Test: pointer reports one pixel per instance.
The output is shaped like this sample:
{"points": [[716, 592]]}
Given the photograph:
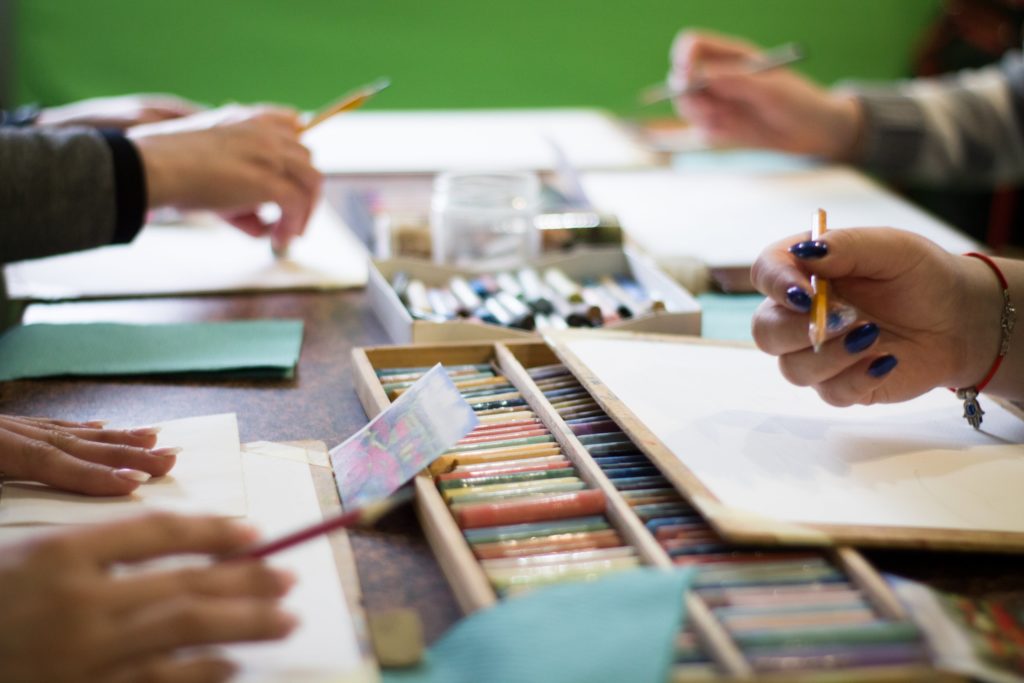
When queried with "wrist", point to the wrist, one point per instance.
{"points": [[981, 303], [845, 129], [158, 174]]}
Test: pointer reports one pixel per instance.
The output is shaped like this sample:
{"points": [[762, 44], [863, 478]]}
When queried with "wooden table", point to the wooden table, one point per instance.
{"points": [[396, 567]]}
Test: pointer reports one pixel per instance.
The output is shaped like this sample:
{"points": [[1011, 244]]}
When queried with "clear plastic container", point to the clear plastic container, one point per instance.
{"points": [[484, 220]]}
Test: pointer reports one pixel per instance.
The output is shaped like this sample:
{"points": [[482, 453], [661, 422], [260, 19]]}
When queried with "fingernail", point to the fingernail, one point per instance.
{"points": [[145, 431], [286, 622], [881, 367], [165, 452], [840, 316], [247, 534], [286, 578], [800, 299], [809, 249], [861, 338], [133, 475], [98, 424]]}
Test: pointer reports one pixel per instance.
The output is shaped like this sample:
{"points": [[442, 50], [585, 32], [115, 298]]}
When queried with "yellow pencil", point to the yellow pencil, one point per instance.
{"points": [[348, 102], [819, 287]]}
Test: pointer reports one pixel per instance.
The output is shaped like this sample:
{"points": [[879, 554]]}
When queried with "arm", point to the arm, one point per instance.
{"points": [[964, 128], [67, 190], [72, 189], [968, 128]]}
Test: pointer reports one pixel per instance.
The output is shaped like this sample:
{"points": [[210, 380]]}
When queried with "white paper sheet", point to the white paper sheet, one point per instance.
{"points": [[207, 479], [495, 140], [724, 218], [764, 446], [324, 648], [203, 254]]}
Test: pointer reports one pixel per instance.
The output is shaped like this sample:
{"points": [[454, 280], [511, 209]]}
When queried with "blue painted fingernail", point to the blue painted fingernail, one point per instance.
{"points": [[861, 338], [882, 366], [800, 299], [809, 249]]}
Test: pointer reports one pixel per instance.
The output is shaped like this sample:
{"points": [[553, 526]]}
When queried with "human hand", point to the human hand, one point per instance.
{"points": [[81, 456], [774, 109], [68, 617], [117, 112], [927, 318], [231, 160]]}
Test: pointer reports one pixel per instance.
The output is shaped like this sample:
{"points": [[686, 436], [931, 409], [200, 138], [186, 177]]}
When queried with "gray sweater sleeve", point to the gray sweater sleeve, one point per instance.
{"points": [[57, 192], [966, 128]]}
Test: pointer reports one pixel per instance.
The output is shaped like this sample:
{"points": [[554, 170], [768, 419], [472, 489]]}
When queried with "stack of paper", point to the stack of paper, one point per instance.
{"points": [[198, 254]]}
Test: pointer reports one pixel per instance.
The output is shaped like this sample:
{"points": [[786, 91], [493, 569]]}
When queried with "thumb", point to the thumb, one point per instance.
{"points": [[871, 253]]}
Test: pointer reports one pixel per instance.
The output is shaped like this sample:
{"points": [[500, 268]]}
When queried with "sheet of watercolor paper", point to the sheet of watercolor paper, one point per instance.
{"points": [[421, 424], [207, 479], [197, 254], [491, 140], [776, 450], [725, 218], [325, 645]]}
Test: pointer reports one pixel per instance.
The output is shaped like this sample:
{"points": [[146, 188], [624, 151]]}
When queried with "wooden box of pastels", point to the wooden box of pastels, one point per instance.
{"points": [[419, 301], [599, 452]]}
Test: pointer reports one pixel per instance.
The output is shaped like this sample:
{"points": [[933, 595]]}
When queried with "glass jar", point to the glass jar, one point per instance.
{"points": [[484, 220]]}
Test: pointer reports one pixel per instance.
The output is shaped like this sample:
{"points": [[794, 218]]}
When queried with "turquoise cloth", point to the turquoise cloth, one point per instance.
{"points": [[251, 347], [726, 317], [619, 628]]}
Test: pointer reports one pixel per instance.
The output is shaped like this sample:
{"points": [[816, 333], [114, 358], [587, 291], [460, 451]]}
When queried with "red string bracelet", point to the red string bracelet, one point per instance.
{"points": [[1007, 319]]}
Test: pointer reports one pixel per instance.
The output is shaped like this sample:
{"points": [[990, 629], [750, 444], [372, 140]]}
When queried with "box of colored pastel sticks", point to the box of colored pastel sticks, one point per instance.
{"points": [[549, 489], [608, 287]]}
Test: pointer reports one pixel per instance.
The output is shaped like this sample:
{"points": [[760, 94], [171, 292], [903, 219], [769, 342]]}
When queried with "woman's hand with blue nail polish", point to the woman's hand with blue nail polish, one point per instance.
{"points": [[911, 299]]}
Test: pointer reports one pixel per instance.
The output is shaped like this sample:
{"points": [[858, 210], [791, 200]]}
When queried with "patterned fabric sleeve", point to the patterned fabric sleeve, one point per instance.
{"points": [[966, 128]]}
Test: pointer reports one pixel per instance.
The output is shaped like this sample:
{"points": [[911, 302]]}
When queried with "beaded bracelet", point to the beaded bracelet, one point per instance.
{"points": [[1007, 319]]}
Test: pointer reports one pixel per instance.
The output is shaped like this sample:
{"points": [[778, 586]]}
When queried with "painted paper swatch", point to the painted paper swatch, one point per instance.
{"points": [[420, 425]]}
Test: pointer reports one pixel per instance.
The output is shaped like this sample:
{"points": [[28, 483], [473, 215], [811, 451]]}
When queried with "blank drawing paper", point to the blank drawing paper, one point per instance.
{"points": [[777, 451], [197, 254], [725, 218], [206, 479], [489, 140], [325, 645]]}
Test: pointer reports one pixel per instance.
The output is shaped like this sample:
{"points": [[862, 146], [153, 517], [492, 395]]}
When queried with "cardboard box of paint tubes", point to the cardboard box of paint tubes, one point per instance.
{"points": [[419, 301]]}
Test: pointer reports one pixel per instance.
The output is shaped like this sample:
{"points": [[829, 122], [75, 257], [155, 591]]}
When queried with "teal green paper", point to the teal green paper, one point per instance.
{"points": [[620, 628], [264, 347]]}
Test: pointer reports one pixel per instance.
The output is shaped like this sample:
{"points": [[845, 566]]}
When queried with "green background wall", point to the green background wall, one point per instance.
{"points": [[439, 53]]}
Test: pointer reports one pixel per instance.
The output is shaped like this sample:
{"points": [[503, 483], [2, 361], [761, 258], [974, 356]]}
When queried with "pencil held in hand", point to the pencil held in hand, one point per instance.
{"points": [[348, 102], [780, 56], [363, 517], [819, 288]]}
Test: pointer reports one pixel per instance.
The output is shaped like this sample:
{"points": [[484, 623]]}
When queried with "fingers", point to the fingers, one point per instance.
{"points": [[863, 382], [248, 222], [691, 48], [25, 458], [94, 424], [114, 448], [190, 622], [227, 580], [161, 534], [175, 669], [779, 275]]}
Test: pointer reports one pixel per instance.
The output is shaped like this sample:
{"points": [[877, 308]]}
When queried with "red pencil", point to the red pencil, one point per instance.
{"points": [[363, 517]]}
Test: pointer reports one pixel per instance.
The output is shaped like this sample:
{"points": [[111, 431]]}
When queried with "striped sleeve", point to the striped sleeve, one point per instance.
{"points": [[966, 128]]}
